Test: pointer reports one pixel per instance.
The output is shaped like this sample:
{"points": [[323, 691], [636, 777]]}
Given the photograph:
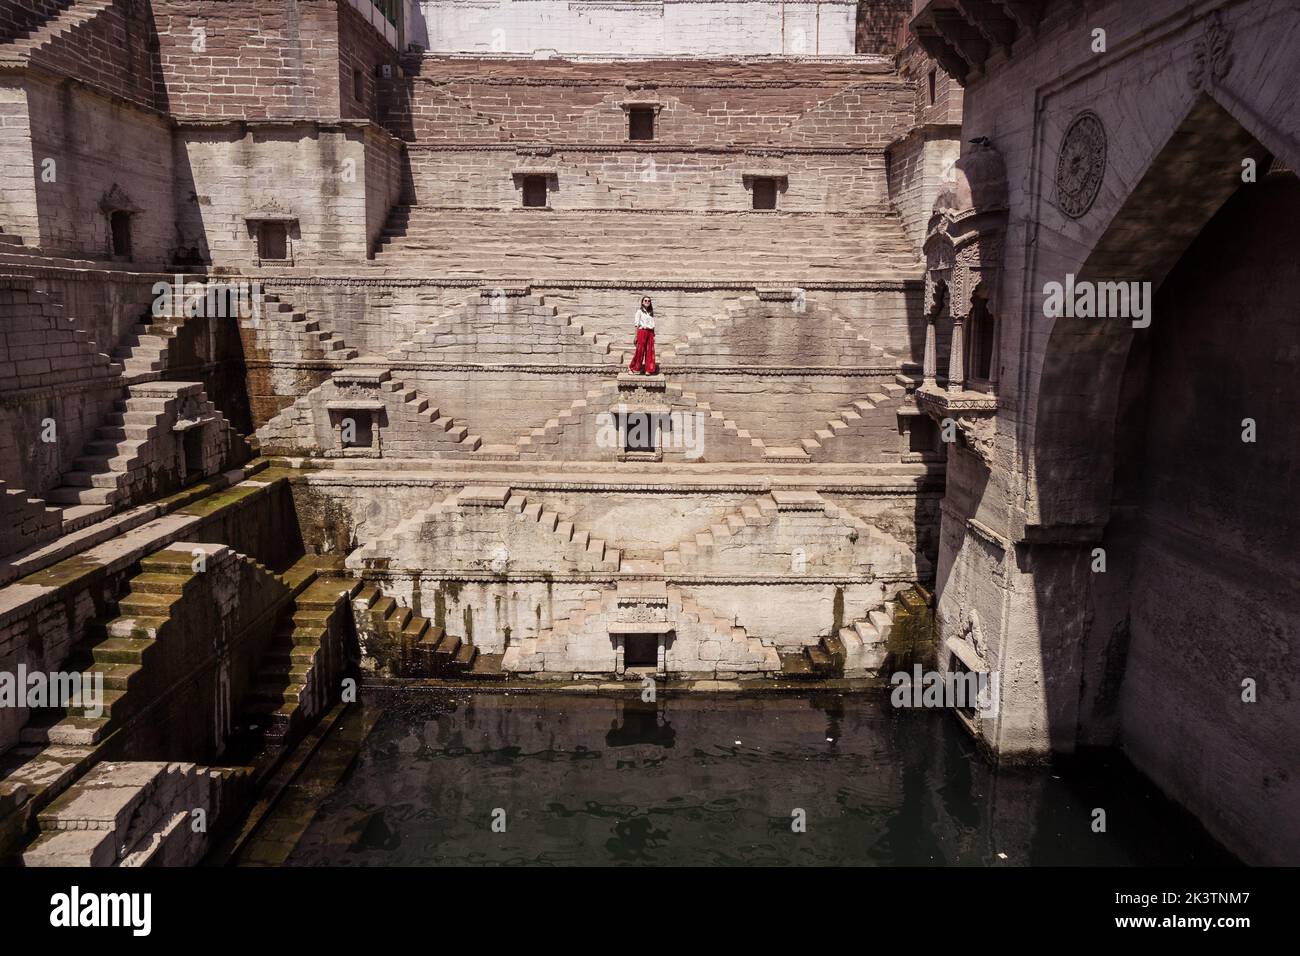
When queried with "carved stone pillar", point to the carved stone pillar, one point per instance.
{"points": [[930, 368], [956, 356]]}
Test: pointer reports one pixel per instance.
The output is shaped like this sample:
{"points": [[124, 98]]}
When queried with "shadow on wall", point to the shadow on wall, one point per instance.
{"points": [[1180, 652]]}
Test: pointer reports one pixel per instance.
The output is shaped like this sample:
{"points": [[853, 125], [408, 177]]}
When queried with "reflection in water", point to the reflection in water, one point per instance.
{"points": [[693, 780], [640, 722]]}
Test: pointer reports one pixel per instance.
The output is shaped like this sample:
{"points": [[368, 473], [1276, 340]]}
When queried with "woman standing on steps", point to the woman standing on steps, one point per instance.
{"points": [[644, 359]]}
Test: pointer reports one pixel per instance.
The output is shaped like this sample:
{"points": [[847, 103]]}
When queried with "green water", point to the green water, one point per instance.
{"points": [[694, 781]]}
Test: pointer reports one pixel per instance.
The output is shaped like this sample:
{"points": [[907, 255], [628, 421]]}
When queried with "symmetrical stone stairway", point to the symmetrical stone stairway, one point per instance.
{"points": [[285, 328], [605, 557], [507, 326], [403, 535], [553, 648]]}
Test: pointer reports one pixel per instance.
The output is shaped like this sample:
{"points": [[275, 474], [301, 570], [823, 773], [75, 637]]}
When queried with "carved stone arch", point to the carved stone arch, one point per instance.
{"points": [[1071, 468]]}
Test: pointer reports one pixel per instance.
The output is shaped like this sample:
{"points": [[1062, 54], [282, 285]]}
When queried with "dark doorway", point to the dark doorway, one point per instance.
{"points": [[638, 432], [641, 122], [922, 434], [641, 650], [120, 225], [273, 241], [764, 193], [535, 191], [192, 445], [981, 341]]}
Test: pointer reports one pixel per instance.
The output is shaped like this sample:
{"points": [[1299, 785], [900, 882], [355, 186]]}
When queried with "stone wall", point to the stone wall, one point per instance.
{"points": [[378, 315], [19, 17], [259, 60], [1183, 98], [333, 183], [72, 131], [657, 178], [50, 372], [111, 50], [694, 27], [700, 103]]}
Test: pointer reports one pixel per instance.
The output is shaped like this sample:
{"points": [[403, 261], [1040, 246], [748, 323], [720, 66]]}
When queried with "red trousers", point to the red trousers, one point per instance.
{"points": [[644, 359]]}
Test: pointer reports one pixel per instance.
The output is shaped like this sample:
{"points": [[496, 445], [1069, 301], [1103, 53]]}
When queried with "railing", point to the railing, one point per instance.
{"points": [[384, 15]]}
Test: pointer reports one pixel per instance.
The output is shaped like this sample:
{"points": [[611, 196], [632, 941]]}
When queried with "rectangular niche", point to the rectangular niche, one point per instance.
{"points": [[535, 190], [641, 123], [639, 433], [356, 429], [640, 650]]}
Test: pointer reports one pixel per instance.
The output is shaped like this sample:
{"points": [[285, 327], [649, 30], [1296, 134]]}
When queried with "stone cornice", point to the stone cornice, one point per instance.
{"points": [[903, 488], [659, 146], [581, 577], [560, 368], [694, 285]]}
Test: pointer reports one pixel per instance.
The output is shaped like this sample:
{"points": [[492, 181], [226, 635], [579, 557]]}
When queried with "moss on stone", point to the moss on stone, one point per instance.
{"points": [[63, 573]]}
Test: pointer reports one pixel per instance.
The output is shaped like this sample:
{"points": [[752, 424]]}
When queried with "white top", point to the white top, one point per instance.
{"points": [[644, 320]]}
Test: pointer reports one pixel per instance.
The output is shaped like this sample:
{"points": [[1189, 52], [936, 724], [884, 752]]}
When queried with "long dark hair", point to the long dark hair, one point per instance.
{"points": [[650, 309]]}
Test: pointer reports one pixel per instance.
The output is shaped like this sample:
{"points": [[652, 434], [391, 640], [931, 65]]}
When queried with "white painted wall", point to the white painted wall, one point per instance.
{"points": [[637, 27]]}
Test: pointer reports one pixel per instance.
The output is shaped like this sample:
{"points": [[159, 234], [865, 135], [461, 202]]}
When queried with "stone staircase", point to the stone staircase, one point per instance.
{"points": [[297, 423], [115, 463], [118, 649], [690, 610], [143, 351], [864, 647], [287, 691], [26, 522], [887, 395], [604, 557], [404, 534], [738, 438], [471, 330], [578, 243], [534, 443], [130, 814], [418, 406], [62, 23], [529, 653], [285, 326], [427, 650], [755, 513], [731, 312]]}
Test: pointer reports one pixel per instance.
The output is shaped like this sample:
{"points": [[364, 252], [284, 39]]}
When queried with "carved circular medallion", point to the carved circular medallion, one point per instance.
{"points": [[1081, 164]]}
